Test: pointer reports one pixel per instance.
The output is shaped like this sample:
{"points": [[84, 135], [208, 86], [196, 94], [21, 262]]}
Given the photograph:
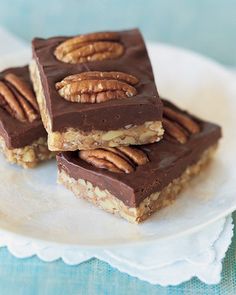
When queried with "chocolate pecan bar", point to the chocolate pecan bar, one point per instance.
{"points": [[23, 139], [96, 90], [135, 182]]}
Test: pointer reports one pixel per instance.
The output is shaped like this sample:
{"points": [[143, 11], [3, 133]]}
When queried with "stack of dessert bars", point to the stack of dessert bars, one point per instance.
{"points": [[118, 144]]}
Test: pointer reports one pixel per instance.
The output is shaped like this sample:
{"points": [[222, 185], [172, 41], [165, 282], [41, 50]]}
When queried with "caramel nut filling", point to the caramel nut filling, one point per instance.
{"points": [[90, 47], [97, 87], [17, 98], [119, 159]]}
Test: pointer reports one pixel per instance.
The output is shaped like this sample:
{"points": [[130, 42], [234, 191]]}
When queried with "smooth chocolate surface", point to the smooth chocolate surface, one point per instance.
{"points": [[110, 115], [167, 160], [15, 133]]}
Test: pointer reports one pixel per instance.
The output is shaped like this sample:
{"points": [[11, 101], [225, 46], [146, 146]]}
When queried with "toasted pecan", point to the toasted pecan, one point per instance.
{"points": [[90, 47], [13, 105], [22, 88], [184, 120], [97, 87], [174, 130], [178, 125], [120, 159], [137, 155], [108, 157], [18, 99]]}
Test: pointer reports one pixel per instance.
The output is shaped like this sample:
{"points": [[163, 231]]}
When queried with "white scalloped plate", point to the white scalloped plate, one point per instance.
{"points": [[33, 206]]}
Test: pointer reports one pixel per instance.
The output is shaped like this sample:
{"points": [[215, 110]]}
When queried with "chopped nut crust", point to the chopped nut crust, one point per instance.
{"points": [[28, 156], [74, 139]]}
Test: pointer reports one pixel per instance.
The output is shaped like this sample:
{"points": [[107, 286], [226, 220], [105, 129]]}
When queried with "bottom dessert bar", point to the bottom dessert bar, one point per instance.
{"points": [[23, 139], [135, 182], [157, 200]]}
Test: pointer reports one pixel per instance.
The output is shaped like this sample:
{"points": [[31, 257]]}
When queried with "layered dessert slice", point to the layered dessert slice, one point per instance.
{"points": [[23, 139], [96, 90], [135, 182]]}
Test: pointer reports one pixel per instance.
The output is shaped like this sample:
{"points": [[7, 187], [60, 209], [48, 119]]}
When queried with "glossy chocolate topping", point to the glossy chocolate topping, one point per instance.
{"points": [[168, 159], [109, 115], [15, 133]]}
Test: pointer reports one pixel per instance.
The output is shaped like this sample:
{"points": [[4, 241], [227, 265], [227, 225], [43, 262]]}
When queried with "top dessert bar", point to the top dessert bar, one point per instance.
{"points": [[96, 90], [22, 135]]}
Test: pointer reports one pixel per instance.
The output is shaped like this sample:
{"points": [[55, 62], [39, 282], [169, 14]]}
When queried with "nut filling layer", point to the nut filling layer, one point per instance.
{"points": [[28, 156]]}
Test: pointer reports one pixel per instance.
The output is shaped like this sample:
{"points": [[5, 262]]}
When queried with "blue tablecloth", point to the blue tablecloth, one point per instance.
{"points": [[32, 276]]}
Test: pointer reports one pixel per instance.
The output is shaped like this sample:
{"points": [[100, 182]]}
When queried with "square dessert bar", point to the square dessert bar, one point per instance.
{"points": [[96, 90], [23, 139], [134, 182]]}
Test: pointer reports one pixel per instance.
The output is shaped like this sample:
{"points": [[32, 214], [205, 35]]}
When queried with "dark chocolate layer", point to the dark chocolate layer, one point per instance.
{"points": [[15, 133], [168, 160], [110, 115]]}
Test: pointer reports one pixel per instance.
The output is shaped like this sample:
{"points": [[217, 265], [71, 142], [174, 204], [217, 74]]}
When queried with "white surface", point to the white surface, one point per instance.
{"points": [[197, 255], [33, 205]]}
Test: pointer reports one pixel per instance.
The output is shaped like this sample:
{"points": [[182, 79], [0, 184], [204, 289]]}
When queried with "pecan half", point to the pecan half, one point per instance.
{"points": [[178, 125], [18, 99], [182, 119], [174, 130], [97, 87], [90, 47], [119, 159]]}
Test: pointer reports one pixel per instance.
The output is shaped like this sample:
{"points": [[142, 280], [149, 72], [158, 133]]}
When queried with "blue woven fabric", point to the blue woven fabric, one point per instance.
{"points": [[32, 276]]}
